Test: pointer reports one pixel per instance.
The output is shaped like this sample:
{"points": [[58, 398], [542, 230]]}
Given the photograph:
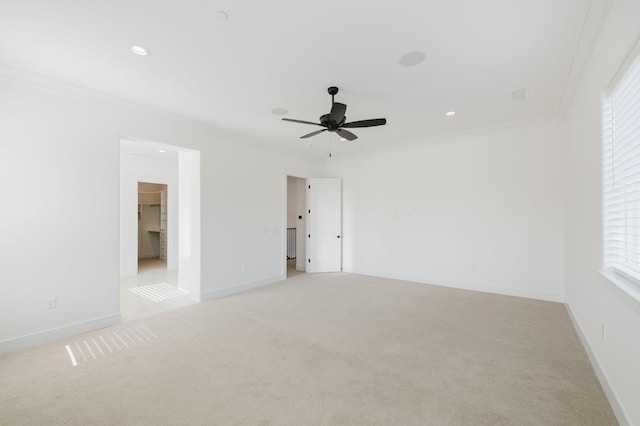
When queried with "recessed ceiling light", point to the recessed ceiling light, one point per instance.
{"points": [[412, 59], [139, 50], [279, 111], [162, 151], [343, 140], [450, 113], [222, 15]]}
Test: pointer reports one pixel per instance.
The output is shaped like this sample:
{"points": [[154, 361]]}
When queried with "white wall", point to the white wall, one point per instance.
{"points": [[189, 229], [594, 301], [482, 211], [63, 241]]}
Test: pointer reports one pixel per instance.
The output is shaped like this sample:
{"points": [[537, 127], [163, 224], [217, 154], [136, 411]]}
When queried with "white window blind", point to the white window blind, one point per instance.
{"points": [[621, 177]]}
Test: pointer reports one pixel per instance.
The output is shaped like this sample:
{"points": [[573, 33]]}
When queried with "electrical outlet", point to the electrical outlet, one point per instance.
{"points": [[603, 335], [245, 267], [52, 303]]}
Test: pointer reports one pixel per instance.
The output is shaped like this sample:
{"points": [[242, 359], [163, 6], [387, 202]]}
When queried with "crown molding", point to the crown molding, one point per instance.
{"points": [[450, 138], [594, 21], [40, 81]]}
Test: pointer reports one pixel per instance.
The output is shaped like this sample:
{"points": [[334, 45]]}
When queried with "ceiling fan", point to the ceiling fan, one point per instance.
{"points": [[335, 120]]}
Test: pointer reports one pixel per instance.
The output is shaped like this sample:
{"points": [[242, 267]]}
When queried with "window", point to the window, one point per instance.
{"points": [[621, 174]]}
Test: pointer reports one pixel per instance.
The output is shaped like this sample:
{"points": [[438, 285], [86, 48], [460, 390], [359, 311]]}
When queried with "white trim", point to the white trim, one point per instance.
{"points": [[40, 337], [621, 169], [33, 79], [624, 67], [592, 25], [625, 287], [618, 410], [41, 81], [461, 136], [506, 291], [238, 288]]}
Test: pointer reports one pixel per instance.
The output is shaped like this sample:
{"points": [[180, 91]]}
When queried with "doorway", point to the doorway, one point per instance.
{"points": [[296, 226], [152, 225], [159, 227], [313, 207]]}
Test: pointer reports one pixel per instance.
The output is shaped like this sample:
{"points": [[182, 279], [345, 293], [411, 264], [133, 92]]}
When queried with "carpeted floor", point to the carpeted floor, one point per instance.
{"points": [[317, 349]]}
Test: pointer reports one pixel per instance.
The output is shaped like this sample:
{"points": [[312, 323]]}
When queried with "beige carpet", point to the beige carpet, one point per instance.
{"points": [[330, 349]]}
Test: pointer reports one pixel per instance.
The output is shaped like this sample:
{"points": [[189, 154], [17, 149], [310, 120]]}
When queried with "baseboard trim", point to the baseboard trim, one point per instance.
{"points": [[506, 291], [618, 410], [238, 288], [46, 336]]}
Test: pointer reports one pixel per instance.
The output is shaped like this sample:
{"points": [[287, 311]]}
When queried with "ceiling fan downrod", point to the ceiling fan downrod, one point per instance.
{"points": [[333, 91]]}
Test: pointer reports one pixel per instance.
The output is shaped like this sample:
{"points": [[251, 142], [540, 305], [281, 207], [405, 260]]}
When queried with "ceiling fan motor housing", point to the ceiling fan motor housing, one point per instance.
{"points": [[331, 126]]}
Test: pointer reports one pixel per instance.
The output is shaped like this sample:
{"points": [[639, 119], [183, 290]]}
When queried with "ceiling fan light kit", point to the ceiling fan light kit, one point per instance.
{"points": [[335, 120]]}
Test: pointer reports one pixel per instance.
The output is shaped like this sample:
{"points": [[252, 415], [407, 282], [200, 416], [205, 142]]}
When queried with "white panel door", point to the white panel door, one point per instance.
{"points": [[324, 248]]}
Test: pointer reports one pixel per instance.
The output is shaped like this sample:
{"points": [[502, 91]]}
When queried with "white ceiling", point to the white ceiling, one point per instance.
{"points": [[285, 53]]}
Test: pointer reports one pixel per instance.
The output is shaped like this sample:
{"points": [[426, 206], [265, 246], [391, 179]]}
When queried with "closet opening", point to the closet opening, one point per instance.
{"points": [[152, 226]]}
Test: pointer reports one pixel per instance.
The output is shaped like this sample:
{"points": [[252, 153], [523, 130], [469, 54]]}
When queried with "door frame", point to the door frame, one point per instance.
{"points": [[301, 175], [184, 208]]}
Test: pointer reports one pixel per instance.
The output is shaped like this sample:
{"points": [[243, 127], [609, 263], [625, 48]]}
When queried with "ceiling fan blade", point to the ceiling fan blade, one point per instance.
{"points": [[317, 132], [337, 112], [346, 134], [366, 123], [302, 121]]}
